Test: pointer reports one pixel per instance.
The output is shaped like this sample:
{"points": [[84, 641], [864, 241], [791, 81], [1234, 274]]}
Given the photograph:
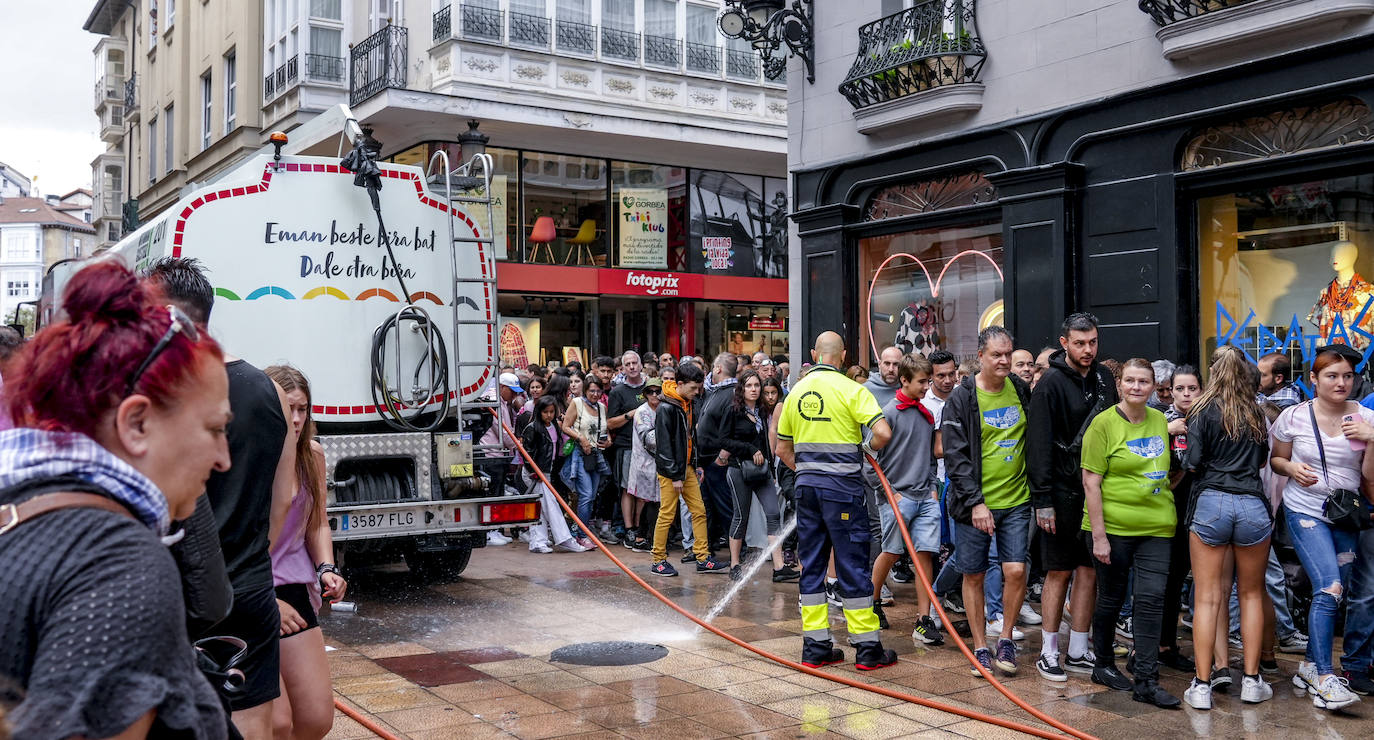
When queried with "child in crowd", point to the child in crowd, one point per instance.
{"points": [[908, 461]]}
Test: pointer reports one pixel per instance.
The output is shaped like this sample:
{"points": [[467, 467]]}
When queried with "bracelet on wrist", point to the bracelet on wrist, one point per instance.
{"points": [[323, 568]]}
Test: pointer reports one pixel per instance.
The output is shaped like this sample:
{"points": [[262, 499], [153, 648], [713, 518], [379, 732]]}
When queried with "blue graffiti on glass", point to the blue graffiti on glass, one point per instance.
{"points": [[1004, 418], [1257, 340]]}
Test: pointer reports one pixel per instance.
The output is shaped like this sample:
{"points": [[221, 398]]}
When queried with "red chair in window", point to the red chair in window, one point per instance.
{"points": [[542, 235]]}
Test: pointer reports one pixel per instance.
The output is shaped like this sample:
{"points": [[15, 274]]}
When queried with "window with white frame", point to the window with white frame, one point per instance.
{"points": [[112, 231], [618, 14], [152, 151], [171, 12], [76, 246], [169, 132], [19, 286], [575, 11], [330, 9], [701, 24], [231, 88], [326, 41], [207, 100], [21, 247], [660, 18]]}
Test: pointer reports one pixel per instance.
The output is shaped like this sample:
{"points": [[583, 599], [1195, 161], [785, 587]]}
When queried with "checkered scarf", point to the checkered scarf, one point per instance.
{"points": [[26, 454]]}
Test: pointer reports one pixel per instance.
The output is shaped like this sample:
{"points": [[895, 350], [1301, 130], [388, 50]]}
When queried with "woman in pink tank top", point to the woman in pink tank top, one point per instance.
{"points": [[302, 563]]}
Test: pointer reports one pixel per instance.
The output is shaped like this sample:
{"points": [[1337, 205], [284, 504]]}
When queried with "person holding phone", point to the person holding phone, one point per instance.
{"points": [[1129, 527], [1320, 447], [585, 424]]}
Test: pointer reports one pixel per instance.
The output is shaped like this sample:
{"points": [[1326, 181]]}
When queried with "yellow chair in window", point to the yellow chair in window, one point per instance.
{"points": [[586, 235]]}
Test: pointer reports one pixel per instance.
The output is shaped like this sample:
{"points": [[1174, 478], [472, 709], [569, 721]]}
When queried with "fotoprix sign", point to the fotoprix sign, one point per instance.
{"points": [[651, 284]]}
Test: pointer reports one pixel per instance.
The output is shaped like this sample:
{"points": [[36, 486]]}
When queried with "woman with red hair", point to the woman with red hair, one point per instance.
{"points": [[121, 413]]}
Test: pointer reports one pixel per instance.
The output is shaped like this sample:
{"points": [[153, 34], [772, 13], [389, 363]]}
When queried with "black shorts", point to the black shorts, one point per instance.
{"points": [[298, 596], [1065, 549], [255, 620]]}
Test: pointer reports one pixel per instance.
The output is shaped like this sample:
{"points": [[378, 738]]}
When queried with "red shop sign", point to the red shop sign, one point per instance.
{"points": [[651, 284]]}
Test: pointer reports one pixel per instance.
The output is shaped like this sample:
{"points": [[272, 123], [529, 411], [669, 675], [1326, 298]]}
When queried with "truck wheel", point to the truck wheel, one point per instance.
{"points": [[438, 566]]}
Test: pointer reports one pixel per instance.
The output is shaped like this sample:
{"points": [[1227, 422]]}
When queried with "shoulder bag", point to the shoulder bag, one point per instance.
{"points": [[1344, 508], [1075, 447]]}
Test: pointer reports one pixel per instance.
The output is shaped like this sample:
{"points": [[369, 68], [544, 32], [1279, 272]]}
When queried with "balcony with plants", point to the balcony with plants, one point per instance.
{"points": [[919, 63], [1191, 29]]}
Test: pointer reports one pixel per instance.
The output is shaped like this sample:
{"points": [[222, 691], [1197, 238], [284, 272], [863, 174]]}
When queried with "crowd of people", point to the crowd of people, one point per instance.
{"points": [[1128, 499], [158, 493]]}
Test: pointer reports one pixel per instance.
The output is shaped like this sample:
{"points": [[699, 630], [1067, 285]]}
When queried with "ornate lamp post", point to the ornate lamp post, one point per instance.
{"points": [[769, 25]]}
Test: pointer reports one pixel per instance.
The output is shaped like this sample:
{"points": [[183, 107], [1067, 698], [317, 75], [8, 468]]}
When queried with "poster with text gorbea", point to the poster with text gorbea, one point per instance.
{"points": [[643, 214]]}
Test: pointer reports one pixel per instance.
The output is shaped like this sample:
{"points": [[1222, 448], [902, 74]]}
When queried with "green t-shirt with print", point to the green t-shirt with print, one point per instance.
{"points": [[1004, 448], [1133, 460]]}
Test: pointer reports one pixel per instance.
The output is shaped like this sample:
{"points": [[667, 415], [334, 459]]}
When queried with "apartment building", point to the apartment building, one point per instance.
{"points": [[587, 105], [178, 96], [1196, 173], [35, 233]]}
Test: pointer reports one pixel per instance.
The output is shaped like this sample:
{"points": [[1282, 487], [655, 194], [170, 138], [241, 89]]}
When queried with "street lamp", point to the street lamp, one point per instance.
{"points": [[768, 25]]}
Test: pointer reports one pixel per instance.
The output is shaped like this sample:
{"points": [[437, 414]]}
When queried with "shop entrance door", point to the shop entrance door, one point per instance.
{"points": [[625, 325]]}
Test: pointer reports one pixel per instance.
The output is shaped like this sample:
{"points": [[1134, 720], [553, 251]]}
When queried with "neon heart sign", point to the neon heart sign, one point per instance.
{"points": [[934, 285]]}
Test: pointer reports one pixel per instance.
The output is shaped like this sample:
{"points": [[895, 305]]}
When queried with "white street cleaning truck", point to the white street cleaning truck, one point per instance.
{"points": [[378, 281]]}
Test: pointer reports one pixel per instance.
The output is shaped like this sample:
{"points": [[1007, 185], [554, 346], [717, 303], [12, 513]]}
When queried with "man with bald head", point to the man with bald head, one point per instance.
{"points": [[828, 421]]}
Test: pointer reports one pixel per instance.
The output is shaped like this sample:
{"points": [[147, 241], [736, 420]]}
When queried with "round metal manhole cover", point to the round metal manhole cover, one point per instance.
{"points": [[609, 653]]}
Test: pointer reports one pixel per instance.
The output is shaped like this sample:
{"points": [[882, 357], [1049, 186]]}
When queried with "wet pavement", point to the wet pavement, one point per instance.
{"points": [[472, 659]]}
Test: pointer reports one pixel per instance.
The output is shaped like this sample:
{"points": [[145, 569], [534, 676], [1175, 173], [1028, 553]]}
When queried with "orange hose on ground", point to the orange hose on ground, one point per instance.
{"points": [[358, 717], [944, 618], [979, 716]]}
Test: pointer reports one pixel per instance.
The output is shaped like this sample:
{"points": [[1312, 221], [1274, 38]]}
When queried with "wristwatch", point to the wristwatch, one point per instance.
{"points": [[323, 568]]}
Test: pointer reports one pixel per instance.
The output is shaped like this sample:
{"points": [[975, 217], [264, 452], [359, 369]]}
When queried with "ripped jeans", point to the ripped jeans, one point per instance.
{"points": [[1328, 556]]}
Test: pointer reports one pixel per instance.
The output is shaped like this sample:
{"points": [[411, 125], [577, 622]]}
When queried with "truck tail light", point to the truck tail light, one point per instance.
{"points": [[510, 513], [457, 513]]}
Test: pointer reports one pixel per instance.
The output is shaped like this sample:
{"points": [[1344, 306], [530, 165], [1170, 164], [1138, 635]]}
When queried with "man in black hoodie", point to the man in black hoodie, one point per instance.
{"points": [[720, 508], [1073, 390]]}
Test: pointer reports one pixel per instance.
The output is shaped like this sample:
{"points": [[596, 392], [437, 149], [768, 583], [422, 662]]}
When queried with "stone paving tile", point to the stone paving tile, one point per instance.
{"points": [[486, 654], [346, 728], [985, 731], [539, 726], [626, 714], [816, 707], [793, 732], [767, 690], [392, 649], [427, 718], [355, 665], [925, 715], [475, 731], [744, 720], [697, 702], [869, 698], [431, 669], [673, 729], [651, 687], [556, 680], [714, 678], [490, 689], [517, 667], [611, 673], [372, 683], [941, 682], [400, 699], [501, 708], [876, 723], [582, 697]]}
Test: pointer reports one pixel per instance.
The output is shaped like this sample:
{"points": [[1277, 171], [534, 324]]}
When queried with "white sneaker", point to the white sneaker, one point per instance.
{"points": [[885, 597], [524, 536], [497, 539], [541, 548], [1333, 693], [1255, 690], [1028, 615], [994, 629], [570, 545], [1306, 677], [1198, 695]]}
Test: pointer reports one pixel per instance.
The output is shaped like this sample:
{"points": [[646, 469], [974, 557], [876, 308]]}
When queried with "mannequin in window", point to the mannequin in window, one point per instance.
{"points": [[1345, 296]]}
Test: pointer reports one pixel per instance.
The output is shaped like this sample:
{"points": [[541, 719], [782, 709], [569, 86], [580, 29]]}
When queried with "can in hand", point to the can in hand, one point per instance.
{"points": [[343, 607]]}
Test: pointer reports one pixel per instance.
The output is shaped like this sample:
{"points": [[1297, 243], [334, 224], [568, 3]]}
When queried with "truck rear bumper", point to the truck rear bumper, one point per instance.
{"points": [[431, 517]]}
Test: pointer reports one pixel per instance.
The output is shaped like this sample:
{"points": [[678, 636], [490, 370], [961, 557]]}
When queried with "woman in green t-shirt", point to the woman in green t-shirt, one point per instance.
{"points": [[1129, 523]]}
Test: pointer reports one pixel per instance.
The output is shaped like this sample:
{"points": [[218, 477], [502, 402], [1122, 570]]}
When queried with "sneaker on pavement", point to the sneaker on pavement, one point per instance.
{"points": [[886, 596], [927, 633], [663, 568], [901, 573], [817, 653], [688, 557], [1333, 693], [1295, 643], [882, 618], [872, 658], [1028, 615], [1255, 690], [570, 545], [1176, 660], [984, 658], [1186, 619], [1306, 677], [1198, 695], [994, 629], [1048, 666], [1123, 627], [1269, 666], [1084, 663], [711, 565], [1234, 641], [953, 603], [524, 536], [496, 539], [642, 545], [1148, 691], [786, 574], [736, 573], [1112, 678], [1006, 657], [1221, 679], [1359, 682], [832, 593], [541, 548], [586, 542]]}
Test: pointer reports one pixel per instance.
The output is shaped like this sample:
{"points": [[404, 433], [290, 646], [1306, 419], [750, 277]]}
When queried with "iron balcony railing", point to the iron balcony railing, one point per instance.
{"points": [[619, 44], [932, 44], [528, 30], [443, 23], [324, 68], [269, 86], [741, 65], [575, 37], [663, 51], [482, 24], [1165, 12], [131, 93], [703, 58], [292, 69], [377, 63]]}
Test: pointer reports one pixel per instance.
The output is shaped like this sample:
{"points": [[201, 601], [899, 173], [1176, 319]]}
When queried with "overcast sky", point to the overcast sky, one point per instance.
{"points": [[48, 126]]}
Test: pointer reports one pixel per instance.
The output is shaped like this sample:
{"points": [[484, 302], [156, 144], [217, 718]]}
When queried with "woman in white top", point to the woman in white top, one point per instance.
{"points": [[585, 424], [643, 481], [1327, 552]]}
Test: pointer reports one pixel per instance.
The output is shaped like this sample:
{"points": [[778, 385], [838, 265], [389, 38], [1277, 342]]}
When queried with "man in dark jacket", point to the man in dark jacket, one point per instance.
{"points": [[983, 430], [675, 459], [1073, 390], [720, 508]]}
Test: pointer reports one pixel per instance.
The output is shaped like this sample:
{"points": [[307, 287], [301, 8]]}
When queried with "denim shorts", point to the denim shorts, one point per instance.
{"points": [[1012, 527], [922, 519], [1221, 518]]}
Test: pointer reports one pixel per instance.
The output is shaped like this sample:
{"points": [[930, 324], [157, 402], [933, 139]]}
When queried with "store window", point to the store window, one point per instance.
{"points": [[650, 225], [738, 225], [930, 289], [1287, 268], [565, 209], [741, 329]]}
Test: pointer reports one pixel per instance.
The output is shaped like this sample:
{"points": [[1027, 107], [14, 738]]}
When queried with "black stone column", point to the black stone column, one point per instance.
{"points": [[830, 296]]}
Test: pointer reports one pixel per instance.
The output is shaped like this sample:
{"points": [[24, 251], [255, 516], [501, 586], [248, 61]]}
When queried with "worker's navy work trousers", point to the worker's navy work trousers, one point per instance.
{"points": [[835, 520]]}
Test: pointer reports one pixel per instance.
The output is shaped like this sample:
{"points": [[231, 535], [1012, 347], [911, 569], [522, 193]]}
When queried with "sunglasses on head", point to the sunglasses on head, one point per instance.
{"points": [[181, 324]]}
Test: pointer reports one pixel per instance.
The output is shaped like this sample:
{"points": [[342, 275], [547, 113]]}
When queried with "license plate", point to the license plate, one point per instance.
{"points": [[378, 520]]}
